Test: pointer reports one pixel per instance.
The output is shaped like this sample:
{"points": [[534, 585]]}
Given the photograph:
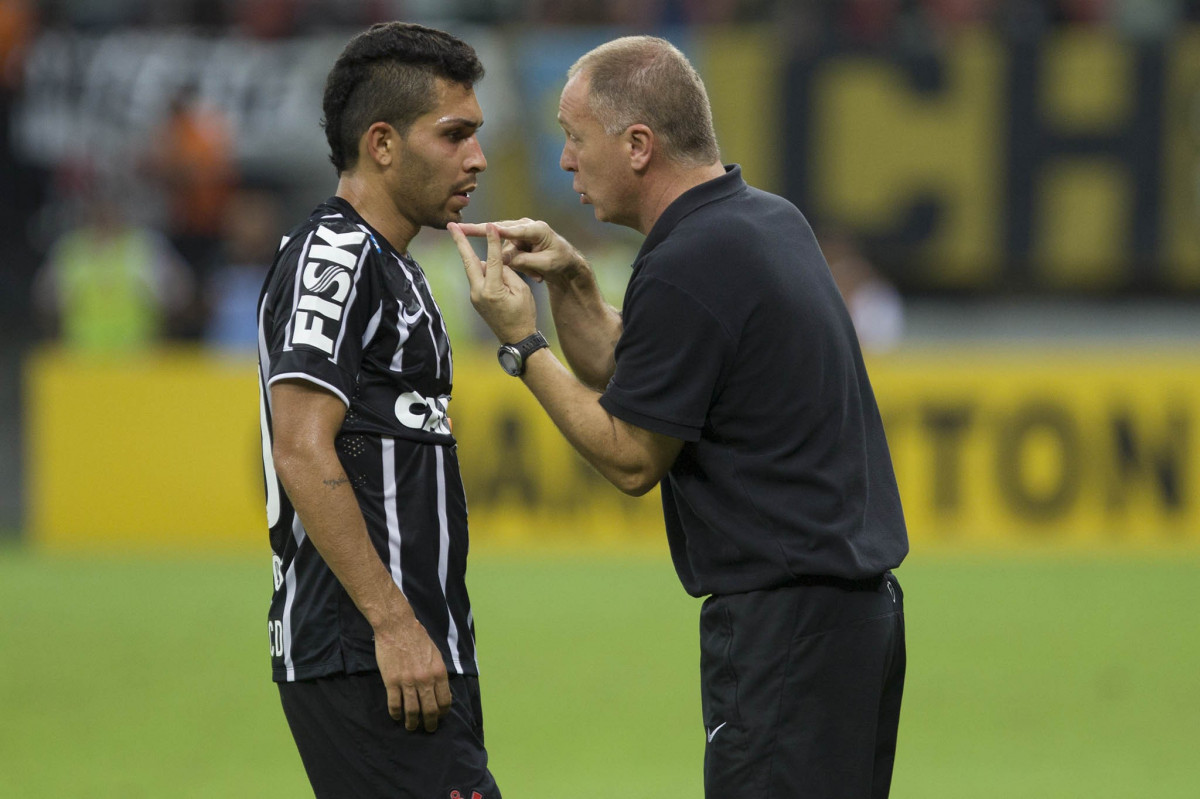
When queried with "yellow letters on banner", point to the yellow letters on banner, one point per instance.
{"points": [[881, 145], [1007, 450]]}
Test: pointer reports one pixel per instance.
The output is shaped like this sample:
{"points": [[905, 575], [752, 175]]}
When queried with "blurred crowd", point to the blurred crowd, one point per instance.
{"points": [[867, 22], [177, 245]]}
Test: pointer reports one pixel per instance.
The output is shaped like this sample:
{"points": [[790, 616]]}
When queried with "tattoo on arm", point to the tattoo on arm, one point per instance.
{"points": [[336, 481]]}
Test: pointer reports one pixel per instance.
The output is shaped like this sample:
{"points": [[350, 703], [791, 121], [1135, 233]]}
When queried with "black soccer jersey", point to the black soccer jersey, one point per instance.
{"points": [[736, 341], [343, 310]]}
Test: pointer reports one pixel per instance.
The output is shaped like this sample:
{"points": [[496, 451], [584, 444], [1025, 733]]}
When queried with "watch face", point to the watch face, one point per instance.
{"points": [[509, 361]]}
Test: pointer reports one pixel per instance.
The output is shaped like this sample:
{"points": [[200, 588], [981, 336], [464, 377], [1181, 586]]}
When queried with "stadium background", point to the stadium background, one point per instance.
{"points": [[1027, 175]]}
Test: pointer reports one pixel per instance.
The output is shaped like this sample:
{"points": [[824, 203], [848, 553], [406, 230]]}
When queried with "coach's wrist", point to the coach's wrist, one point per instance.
{"points": [[577, 268], [577, 281]]}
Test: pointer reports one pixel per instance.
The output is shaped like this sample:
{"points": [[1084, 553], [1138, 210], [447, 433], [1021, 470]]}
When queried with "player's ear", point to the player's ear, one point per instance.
{"points": [[380, 143], [639, 144]]}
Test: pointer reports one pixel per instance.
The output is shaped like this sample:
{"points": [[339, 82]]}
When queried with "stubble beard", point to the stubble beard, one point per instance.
{"points": [[427, 211], [445, 217]]}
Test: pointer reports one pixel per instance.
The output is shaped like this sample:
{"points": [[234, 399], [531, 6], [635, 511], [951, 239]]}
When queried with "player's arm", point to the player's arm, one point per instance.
{"points": [[306, 420], [631, 458], [587, 326]]}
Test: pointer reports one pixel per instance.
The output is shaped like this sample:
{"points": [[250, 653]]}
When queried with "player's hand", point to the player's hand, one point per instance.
{"points": [[418, 688], [498, 293], [533, 248]]}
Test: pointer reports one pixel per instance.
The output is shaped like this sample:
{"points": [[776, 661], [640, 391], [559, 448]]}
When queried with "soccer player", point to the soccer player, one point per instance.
{"points": [[734, 378], [371, 632]]}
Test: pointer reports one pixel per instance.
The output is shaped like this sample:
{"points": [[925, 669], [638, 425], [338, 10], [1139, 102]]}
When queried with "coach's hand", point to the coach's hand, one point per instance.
{"points": [[533, 248], [418, 689], [497, 292]]}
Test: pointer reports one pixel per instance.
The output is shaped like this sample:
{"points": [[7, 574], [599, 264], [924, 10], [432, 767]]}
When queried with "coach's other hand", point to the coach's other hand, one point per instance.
{"points": [[418, 688], [498, 293], [533, 248]]}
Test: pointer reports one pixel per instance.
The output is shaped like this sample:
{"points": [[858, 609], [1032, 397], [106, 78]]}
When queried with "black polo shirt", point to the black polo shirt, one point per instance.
{"points": [[737, 342]]}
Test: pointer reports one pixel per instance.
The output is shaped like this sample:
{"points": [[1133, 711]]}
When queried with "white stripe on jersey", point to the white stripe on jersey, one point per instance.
{"points": [[389, 508], [444, 557], [428, 320], [446, 338], [402, 333], [470, 628], [264, 409], [264, 355], [289, 580], [358, 272], [272, 479], [309, 378], [372, 326]]}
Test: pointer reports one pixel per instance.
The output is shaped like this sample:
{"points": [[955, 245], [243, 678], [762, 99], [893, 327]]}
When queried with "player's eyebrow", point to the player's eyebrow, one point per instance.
{"points": [[473, 123]]}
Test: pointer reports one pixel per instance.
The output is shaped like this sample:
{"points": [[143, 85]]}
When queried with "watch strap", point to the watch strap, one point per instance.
{"points": [[521, 351], [531, 344]]}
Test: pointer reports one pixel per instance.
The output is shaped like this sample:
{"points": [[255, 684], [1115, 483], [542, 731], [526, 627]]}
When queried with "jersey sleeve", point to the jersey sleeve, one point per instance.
{"points": [[670, 360], [319, 304]]}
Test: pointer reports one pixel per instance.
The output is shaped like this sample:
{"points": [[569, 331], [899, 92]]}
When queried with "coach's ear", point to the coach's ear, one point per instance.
{"points": [[379, 143], [639, 144]]}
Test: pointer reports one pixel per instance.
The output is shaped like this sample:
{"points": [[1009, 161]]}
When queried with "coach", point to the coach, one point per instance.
{"points": [[734, 378]]}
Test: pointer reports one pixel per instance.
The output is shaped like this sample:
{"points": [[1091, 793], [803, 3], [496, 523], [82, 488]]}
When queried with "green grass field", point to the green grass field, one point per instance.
{"points": [[1027, 678]]}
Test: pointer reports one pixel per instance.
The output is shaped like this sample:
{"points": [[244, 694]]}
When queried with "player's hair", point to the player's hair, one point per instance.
{"points": [[645, 79], [386, 74]]}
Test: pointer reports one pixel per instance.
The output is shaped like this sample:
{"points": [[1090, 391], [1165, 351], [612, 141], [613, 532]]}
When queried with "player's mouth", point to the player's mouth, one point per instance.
{"points": [[462, 195]]}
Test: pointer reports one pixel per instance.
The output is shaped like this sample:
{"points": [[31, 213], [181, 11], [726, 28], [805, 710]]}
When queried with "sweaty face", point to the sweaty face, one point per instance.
{"points": [[439, 159], [600, 162]]}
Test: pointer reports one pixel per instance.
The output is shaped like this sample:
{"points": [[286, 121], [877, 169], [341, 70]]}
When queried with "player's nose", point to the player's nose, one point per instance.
{"points": [[476, 161]]}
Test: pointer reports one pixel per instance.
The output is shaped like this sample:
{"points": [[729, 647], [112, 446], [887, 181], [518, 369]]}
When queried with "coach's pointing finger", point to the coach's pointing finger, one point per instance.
{"points": [[494, 276], [497, 292], [470, 260]]}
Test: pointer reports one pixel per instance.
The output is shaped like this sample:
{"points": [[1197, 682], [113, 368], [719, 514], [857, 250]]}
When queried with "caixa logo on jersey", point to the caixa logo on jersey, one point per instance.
{"points": [[327, 279], [423, 413]]}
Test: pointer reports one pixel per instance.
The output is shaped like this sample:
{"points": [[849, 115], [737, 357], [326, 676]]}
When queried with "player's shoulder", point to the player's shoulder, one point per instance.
{"points": [[336, 232]]}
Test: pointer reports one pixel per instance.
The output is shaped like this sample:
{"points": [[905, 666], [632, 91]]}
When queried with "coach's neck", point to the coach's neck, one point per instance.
{"points": [[664, 182]]}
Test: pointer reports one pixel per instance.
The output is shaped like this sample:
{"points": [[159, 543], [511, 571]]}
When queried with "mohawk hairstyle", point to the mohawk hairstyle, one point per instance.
{"points": [[386, 74]]}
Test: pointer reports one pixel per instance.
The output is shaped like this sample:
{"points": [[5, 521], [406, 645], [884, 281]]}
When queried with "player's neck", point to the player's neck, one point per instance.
{"points": [[375, 205]]}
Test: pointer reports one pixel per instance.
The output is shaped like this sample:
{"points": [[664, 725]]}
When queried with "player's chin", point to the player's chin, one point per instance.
{"points": [[445, 219]]}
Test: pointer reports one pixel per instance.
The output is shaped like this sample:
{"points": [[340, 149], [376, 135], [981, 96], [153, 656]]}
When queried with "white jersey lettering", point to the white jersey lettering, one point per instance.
{"points": [[327, 280]]}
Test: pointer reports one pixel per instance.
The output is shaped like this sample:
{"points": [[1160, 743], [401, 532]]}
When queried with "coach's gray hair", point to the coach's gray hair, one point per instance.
{"points": [[644, 79]]}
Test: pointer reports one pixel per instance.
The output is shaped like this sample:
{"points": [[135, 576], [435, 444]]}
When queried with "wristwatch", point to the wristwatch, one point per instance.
{"points": [[512, 357]]}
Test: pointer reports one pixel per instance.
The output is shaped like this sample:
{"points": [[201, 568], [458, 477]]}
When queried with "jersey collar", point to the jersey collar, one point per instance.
{"points": [[382, 245], [694, 198]]}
